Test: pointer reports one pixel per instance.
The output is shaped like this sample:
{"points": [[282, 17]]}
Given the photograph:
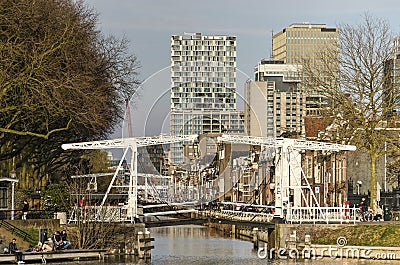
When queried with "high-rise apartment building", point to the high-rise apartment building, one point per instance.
{"points": [[203, 87], [306, 43], [203, 72], [274, 104]]}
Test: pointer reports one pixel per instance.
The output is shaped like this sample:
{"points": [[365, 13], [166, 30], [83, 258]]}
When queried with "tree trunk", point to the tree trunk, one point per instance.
{"points": [[373, 185]]}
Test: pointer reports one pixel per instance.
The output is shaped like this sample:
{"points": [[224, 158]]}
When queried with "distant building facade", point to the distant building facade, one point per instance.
{"points": [[305, 42], [275, 105], [152, 159], [392, 82], [203, 87]]}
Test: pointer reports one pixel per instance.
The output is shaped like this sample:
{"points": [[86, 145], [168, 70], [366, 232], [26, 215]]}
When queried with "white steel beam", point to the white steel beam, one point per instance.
{"points": [[280, 142], [127, 142], [92, 175]]}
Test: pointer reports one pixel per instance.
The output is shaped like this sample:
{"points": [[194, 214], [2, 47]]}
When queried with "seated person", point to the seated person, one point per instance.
{"points": [[13, 249], [57, 241], [66, 243], [47, 245], [37, 248]]}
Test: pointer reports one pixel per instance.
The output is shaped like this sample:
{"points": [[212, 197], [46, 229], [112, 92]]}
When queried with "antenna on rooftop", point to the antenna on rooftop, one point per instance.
{"points": [[272, 45]]}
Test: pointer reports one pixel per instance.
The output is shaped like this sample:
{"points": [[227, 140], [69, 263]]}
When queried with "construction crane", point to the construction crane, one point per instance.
{"points": [[288, 170], [131, 144]]}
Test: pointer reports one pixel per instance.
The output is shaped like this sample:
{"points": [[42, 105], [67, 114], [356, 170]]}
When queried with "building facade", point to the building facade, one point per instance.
{"points": [[392, 81], [274, 104], [152, 159], [310, 44], [203, 87]]}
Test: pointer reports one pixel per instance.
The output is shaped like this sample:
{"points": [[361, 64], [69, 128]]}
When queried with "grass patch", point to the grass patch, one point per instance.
{"points": [[361, 235], [34, 233]]}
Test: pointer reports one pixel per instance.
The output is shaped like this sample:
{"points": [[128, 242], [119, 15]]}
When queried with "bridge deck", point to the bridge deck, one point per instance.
{"points": [[202, 221]]}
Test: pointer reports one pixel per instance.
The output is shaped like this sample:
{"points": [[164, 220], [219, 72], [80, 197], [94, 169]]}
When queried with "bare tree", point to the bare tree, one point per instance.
{"points": [[356, 83]]}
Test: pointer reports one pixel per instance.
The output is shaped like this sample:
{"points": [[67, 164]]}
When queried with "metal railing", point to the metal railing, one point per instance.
{"points": [[17, 232], [98, 214], [239, 215], [322, 215], [32, 214]]}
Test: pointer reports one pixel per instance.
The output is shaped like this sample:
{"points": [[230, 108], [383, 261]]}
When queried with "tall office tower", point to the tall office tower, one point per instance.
{"points": [[274, 104], [203, 86], [305, 42]]}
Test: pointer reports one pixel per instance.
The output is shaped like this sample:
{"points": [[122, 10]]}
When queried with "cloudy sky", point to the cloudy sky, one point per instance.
{"points": [[148, 25]]}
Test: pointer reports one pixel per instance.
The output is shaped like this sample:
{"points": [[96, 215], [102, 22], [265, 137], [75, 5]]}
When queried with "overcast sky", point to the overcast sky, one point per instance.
{"points": [[148, 25]]}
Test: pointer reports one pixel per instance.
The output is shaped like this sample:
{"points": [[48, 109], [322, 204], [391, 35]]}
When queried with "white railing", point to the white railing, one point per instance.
{"points": [[239, 215], [322, 215], [292, 214], [98, 214]]}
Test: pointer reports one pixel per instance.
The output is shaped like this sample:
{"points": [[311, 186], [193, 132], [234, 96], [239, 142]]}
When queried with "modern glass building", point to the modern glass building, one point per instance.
{"points": [[306, 43]]}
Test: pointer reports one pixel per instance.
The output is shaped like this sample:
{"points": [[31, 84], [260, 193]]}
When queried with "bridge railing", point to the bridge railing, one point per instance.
{"points": [[321, 215], [239, 215], [97, 214]]}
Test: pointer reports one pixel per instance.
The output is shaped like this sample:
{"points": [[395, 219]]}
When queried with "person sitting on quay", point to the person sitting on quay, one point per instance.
{"points": [[47, 246], [57, 241], [13, 249], [65, 242]]}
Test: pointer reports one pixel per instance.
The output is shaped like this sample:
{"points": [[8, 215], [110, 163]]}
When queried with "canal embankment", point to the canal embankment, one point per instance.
{"points": [[126, 239], [375, 240]]}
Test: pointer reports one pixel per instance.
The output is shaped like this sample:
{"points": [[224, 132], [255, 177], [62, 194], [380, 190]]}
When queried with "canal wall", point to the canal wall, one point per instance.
{"points": [[301, 233], [133, 239], [255, 235], [293, 241]]}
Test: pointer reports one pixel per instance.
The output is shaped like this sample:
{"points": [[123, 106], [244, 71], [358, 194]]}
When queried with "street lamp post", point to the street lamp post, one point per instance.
{"points": [[12, 176]]}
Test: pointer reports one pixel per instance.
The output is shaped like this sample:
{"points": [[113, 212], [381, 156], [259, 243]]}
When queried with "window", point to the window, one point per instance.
{"points": [[3, 198]]}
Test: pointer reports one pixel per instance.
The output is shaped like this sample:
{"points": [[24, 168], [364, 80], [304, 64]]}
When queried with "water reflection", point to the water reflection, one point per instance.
{"points": [[197, 245], [200, 245]]}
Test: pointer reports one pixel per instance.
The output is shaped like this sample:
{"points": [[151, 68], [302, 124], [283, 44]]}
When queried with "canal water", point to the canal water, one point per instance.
{"points": [[198, 245]]}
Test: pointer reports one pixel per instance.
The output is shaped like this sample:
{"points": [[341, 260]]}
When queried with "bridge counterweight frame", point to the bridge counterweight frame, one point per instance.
{"points": [[131, 144]]}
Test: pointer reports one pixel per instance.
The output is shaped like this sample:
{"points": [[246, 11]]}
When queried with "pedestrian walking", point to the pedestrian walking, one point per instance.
{"points": [[25, 209]]}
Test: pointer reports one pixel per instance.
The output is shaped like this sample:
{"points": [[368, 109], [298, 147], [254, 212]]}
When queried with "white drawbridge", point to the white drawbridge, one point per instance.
{"points": [[131, 144], [288, 172]]}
